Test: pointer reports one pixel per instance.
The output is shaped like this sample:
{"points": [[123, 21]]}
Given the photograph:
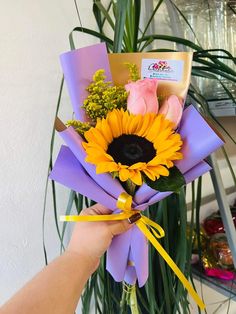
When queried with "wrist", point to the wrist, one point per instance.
{"points": [[90, 263]]}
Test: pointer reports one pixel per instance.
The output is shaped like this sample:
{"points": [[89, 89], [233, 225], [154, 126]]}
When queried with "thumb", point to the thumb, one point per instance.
{"points": [[118, 227]]}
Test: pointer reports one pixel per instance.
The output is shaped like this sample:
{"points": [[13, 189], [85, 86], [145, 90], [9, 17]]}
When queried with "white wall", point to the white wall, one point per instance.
{"points": [[33, 34]]}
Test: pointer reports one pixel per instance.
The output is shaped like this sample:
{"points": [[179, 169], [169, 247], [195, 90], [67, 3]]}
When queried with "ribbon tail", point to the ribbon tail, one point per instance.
{"points": [[171, 263]]}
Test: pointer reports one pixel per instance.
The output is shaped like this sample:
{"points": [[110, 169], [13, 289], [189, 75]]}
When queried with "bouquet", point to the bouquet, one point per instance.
{"points": [[132, 145]]}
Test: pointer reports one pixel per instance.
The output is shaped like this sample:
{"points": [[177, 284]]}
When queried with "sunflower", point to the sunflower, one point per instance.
{"points": [[133, 146]]}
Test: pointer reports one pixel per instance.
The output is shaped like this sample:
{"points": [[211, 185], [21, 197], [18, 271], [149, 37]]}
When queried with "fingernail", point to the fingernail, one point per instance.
{"points": [[134, 218]]}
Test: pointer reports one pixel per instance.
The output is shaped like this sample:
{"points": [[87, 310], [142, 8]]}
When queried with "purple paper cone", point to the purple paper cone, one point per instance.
{"points": [[199, 139], [139, 248], [130, 272], [79, 67], [117, 255], [130, 275], [69, 172]]}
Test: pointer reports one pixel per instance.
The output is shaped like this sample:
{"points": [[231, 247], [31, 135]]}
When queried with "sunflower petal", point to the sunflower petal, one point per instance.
{"points": [[163, 171], [136, 177], [150, 174], [106, 167], [138, 165], [124, 174], [113, 119]]}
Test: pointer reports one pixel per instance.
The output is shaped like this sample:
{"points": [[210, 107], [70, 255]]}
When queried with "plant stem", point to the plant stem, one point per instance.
{"points": [[129, 297], [133, 303], [123, 297], [130, 187]]}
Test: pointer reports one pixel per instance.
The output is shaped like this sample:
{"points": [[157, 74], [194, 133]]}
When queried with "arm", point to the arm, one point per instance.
{"points": [[57, 288]]}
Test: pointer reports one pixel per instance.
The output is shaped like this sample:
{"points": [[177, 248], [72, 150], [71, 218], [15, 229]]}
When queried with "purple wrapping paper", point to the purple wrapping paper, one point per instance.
{"points": [[79, 67], [71, 170], [74, 141], [68, 171]]}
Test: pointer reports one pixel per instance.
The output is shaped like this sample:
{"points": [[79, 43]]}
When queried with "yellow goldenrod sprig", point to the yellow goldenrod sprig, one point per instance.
{"points": [[133, 71], [79, 126], [103, 97]]}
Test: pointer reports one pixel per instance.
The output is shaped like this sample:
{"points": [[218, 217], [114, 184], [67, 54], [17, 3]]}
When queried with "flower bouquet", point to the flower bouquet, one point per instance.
{"points": [[132, 145]]}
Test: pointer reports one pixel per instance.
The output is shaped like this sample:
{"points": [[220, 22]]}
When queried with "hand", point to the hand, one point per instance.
{"points": [[57, 288], [91, 239]]}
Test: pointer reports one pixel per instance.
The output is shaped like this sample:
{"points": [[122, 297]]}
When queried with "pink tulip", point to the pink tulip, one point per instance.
{"points": [[172, 109], [142, 96]]}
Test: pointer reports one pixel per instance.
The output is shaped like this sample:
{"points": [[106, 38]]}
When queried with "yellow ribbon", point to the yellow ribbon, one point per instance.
{"points": [[152, 233]]}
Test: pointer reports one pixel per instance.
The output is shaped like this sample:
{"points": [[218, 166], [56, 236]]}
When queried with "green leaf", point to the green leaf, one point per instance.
{"points": [[88, 31], [137, 10], [49, 170], [68, 212], [186, 21], [105, 12], [229, 165], [215, 71], [151, 19], [173, 182], [175, 39], [121, 9], [98, 16]]}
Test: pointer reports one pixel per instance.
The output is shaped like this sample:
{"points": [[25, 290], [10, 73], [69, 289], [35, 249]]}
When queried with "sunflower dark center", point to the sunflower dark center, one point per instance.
{"points": [[130, 149]]}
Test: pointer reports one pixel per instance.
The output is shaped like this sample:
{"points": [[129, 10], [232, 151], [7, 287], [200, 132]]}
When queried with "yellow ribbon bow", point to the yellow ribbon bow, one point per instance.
{"points": [[124, 203]]}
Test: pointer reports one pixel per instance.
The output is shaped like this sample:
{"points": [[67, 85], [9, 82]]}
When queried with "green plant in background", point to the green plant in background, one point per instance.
{"points": [[163, 293]]}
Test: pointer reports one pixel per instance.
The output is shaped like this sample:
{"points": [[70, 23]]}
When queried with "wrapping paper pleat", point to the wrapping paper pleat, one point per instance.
{"points": [[200, 140], [130, 271], [79, 67], [139, 247], [69, 172], [118, 254]]}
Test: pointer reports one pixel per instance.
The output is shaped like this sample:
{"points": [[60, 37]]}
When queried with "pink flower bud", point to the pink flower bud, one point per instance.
{"points": [[142, 96], [172, 109]]}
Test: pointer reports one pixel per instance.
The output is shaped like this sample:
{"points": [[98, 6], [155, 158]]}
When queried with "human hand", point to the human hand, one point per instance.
{"points": [[91, 239], [57, 288]]}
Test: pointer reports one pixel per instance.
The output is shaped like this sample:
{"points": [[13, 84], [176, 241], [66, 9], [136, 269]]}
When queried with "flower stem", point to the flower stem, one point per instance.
{"points": [[123, 298], [129, 297], [130, 187], [133, 302]]}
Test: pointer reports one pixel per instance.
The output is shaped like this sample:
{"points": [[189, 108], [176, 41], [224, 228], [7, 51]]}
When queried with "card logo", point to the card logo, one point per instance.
{"points": [[165, 70], [161, 65]]}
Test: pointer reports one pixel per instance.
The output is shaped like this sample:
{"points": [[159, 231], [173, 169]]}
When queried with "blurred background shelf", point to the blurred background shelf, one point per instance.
{"points": [[222, 107], [225, 287]]}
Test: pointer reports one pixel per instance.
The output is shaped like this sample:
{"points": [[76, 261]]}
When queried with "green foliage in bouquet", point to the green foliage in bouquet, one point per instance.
{"points": [[163, 293]]}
